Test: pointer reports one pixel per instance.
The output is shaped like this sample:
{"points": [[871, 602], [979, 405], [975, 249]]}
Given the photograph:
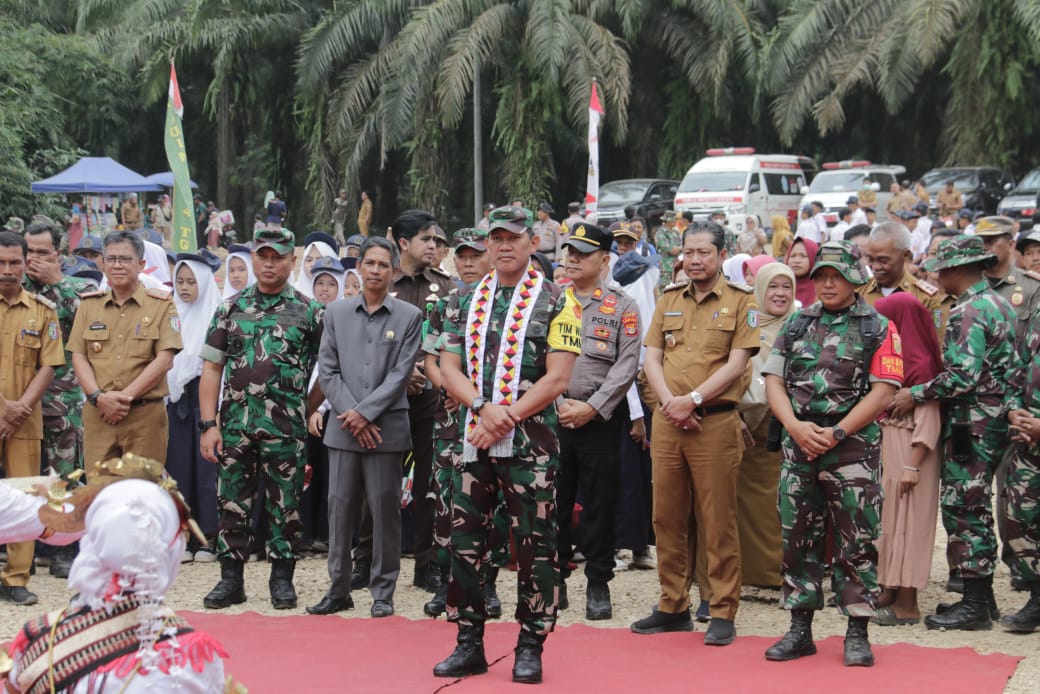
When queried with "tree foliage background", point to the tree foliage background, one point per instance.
{"points": [[310, 96]]}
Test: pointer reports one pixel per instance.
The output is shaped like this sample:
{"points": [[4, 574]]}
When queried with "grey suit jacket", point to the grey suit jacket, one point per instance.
{"points": [[364, 364]]}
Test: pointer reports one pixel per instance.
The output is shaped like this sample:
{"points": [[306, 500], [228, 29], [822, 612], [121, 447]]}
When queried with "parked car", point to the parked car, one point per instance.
{"points": [[981, 186], [650, 196], [739, 183], [839, 180], [1021, 203]]}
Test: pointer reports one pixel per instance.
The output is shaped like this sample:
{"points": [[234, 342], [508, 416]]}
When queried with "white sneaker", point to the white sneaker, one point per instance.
{"points": [[643, 561], [187, 557], [206, 555], [620, 564]]}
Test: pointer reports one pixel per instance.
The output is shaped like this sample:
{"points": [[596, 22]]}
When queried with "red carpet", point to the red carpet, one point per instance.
{"points": [[331, 654]]}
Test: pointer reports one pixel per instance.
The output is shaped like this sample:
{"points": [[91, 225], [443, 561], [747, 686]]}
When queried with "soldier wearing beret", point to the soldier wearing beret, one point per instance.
{"points": [[833, 369]]}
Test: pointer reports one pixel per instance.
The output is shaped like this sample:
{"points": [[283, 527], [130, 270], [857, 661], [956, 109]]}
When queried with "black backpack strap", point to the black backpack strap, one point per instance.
{"points": [[795, 329], [873, 334]]}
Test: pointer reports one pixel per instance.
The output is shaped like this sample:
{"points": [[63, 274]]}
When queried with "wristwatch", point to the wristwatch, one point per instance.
{"points": [[207, 424], [839, 434], [697, 398], [94, 396], [477, 405]]}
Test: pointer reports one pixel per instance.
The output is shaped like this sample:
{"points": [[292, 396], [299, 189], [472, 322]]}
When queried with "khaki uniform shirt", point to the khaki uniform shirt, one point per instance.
{"points": [[698, 336], [927, 294], [949, 203], [120, 341], [610, 346], [867, 198], [30, 339], [1021, 289]]}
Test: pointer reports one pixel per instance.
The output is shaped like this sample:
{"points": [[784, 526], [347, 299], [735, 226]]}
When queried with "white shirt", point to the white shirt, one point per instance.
{"points": [[858, 217], [919, 240], [807, 229], [838, 231]]}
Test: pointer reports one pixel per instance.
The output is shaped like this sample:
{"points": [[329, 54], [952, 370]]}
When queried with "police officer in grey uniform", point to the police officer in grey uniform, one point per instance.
{"points": [[590, 426]]}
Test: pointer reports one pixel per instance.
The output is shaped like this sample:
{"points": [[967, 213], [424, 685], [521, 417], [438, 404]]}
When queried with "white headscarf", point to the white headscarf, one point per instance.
{"points": [[357, 274], [195, 319], [733, 268], [156, 264], [338, 276], [304, 284], [246, 258], [133, 543]]}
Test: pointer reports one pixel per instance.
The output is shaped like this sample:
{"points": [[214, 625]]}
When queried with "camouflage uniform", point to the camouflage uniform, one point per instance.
{"points": [[269, 344], [667, 240], [978, 354], [527, 479], [1022, 493], [62, 403], [824, 375]]}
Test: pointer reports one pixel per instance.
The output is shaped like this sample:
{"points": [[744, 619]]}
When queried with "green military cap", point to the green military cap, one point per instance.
{"points": [[669, 216], [517, 220], [960, 250], [995, 226], [470, 238], [281, 240], [843, 256], [15, 224]]}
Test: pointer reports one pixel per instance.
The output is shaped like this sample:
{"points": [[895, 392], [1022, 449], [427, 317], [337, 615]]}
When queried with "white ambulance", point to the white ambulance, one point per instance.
{"points": [[739, 183]]}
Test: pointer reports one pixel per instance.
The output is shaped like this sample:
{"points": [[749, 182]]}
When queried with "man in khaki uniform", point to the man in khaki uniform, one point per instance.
{"points": [[122, 343], [131, 213], [867, 196], [697, 348], [30, 348], [896, 202], [949, 200], [888, 254]]}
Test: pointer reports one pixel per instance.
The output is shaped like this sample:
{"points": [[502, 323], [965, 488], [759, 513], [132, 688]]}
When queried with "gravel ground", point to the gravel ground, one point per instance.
{"points": [[633, 594]]}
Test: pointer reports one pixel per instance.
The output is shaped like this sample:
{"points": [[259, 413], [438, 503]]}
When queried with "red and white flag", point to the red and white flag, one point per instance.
{"points": [[592, 184]]}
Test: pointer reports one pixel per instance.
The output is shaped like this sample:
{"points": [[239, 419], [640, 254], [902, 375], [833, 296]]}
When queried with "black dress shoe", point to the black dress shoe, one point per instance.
{"points": [[659, 622], [382, 608], [329, 605], [721, 632], [361, 575]]}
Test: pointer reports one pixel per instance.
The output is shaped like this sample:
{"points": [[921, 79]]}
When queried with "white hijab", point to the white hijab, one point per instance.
{"points": [[733, 268], [195, 319], [156, 264], [246, 258], [338, 276], [305, 284]]}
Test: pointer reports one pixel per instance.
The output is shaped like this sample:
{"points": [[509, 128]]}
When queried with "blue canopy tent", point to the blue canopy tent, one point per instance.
{"points": [[165, 179], [95, 175]]}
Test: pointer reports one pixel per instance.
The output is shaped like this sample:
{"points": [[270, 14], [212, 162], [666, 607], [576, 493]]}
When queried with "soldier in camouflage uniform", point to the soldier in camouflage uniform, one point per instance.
{"points": [[978, 358], [62, 404], [1022, 524], [508, 421], [832, 371], [262, 344]]}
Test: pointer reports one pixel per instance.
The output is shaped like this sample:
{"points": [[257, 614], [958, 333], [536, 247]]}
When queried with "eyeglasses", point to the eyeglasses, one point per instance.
{"points": [[119, 259]]}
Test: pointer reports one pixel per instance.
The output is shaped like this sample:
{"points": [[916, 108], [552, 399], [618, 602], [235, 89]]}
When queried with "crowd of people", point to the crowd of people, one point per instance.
{"points": [[763, 408]]}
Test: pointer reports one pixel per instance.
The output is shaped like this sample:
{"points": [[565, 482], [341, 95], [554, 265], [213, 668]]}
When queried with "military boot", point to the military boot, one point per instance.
{"points": [[283, 594], [435, 575], [439, 602], [494, 605], [527, 665], [1026, 620], [231, 589], [994, 611], [857, 646], [468, 656], [798, 641], [971, 613]]}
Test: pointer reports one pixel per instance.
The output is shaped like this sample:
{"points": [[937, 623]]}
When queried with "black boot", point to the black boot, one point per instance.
{"points": [[419, 578], [857, 646], [439, 602], [435, 575], [597, 601], [283, 594], [527, 667], [494, 605], [1026, 620], [994, 611], [468, 656], [361, 574], [954, 583], [971, 613], [231, 590], [798, 640], [564, 602]]}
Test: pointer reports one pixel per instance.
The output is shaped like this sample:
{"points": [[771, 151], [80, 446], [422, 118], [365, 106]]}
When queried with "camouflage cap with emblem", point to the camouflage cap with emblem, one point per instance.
{"points": [[470, 238], [960, 250], [587, 238], [625, 229], [15, 224], [843, 256], [517, 220], [669, 216], [282, 240], [995, 225]]}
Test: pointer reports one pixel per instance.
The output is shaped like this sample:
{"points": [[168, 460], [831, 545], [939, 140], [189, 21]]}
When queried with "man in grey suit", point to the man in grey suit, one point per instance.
{"points": [[365, 361]]}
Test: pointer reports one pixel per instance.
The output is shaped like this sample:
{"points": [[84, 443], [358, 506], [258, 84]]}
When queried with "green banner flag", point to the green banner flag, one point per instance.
{"points": [[184, 239]]}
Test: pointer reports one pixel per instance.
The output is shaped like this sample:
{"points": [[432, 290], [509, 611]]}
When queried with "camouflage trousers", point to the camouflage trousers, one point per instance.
{"points": [[279, 463], [63, 443], [528, 487], [840, 490], [1022, 524], [446, 455], [965, 498]]}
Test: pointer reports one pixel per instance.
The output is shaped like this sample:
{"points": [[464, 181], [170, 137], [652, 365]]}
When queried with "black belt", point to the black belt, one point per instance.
{"points": [[714, 409]]}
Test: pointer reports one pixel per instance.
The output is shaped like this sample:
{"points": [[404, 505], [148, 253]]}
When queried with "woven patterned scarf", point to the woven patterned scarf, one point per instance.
{"points": [[510, 353]]}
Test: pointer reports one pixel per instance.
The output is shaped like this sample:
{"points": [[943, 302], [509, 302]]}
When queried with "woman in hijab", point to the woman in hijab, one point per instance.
{"points": [[197, 298], [782, 236], [238, 270], [910, 469], [351, 283], [801, 257], [752, 266], [761, 544], [733, 268], [314, 249]]}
